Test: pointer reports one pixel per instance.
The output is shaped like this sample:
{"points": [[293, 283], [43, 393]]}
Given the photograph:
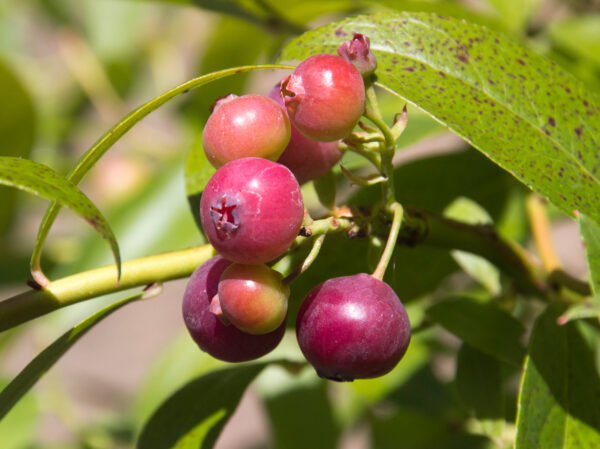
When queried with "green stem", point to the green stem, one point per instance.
{"points": [[385, 130], [418, 227], [312, 255], [90, 284], [391, 242], [372, 157]]}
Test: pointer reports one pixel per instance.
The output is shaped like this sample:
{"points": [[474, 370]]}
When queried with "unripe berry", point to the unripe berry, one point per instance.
{"points": [[251, 125], [324, 97], [252, 210], [358, 52], [223, 342], [308, 159], [253, 298], [352, 327]]}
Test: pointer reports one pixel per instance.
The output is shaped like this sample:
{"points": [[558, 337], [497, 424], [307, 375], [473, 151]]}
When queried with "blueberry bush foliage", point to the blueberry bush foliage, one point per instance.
{"points": [[417, 289]]}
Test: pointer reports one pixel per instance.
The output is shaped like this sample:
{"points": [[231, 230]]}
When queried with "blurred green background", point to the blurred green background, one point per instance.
{"points": [[70, 69]]}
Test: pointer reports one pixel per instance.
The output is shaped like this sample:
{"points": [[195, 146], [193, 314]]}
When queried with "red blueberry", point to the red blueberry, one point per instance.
{"points": [[253, 298], [251, 125], [252, 210], [352, 327], [223, 342], [308, 159], [324, 97]]}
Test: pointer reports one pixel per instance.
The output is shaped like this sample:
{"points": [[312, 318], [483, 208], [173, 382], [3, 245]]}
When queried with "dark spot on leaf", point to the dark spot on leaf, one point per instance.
{"points": [[442, 74], [551, 121], [579, 130], [520, 61], [339, 32], [409, 69]]}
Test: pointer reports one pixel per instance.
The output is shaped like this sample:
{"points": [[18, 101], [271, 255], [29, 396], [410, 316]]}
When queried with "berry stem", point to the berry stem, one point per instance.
{"points": [[391, 241], [312, 255]]}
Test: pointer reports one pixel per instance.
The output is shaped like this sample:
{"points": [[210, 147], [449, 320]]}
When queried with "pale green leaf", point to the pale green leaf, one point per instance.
{"points": [[17, 426], [579, 35], [27, 378], [42, 181], [468, 211], [525, 113]]}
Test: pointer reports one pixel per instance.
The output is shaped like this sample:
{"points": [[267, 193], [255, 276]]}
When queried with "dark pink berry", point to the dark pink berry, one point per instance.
{"points": [[324, 97], [352, 327], [251, 125], [253, 298], [308, 159], [252, 210], [212, 336]]}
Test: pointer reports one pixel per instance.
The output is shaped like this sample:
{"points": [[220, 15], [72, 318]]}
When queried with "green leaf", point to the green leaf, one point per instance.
{"points": [[49, 356], [478, 383], [590, 232], [525, 113], [558, 401], [17, 428], [433, 183], [325, 186], [468, 211], [17, 133], [105, 142], [177, 364], [302, 407], [483, 326], [195, 415], [42, 181]]}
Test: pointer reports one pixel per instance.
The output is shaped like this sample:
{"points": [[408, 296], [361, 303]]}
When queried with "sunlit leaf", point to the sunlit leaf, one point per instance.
{"points": [[483, 326], [17, 132], [525, 113], [558, 406], [27, 378], [40, 180]]}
